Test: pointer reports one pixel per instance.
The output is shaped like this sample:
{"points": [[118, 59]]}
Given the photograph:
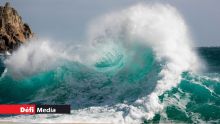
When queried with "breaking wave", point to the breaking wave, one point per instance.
{"points": [[133, 59]]}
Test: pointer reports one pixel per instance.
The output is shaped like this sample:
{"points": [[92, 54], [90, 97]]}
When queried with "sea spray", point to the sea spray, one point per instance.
{"points": [[38, 56], [162, 28]]}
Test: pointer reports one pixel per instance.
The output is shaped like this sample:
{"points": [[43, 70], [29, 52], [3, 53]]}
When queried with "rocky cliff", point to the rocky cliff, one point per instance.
{"points": [[13, 31]]}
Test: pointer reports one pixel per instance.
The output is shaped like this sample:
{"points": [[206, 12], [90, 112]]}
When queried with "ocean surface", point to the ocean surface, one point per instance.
{"points": [[196, 98], [119, 79]]}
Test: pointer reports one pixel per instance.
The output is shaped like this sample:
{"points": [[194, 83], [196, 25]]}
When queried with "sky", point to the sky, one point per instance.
{"points": [[67, 20]]}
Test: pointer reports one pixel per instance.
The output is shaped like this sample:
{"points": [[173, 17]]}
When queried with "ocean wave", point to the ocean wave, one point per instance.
{"points": [[132, 58]]}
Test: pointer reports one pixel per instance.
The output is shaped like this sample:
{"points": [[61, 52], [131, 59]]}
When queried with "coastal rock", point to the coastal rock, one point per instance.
{"points": [[13, 31]]}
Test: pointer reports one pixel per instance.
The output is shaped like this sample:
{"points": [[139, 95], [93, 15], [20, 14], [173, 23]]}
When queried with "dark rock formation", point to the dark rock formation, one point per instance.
{"points": [[13, 31]]}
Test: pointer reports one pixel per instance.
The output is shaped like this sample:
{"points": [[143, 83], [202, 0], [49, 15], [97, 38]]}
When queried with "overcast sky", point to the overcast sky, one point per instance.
{"points": [[66, 20]]}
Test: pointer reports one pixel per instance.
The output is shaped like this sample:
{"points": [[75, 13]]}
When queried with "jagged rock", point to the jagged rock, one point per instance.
{"points": [[13, 31]]}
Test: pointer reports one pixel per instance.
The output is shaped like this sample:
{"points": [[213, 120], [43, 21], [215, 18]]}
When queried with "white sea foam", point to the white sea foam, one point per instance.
{"points": [[37, 56], [162, 28]]}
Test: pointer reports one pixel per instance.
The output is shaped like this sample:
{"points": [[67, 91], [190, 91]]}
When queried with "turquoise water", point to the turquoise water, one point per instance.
{"points": [[122, 78]]}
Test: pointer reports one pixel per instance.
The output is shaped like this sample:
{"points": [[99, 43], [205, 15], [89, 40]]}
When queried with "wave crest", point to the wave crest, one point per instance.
{"points": [[115, 40]]}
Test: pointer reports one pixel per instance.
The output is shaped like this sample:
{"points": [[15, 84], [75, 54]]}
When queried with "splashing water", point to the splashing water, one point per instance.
{"points": [[136, 67]]}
